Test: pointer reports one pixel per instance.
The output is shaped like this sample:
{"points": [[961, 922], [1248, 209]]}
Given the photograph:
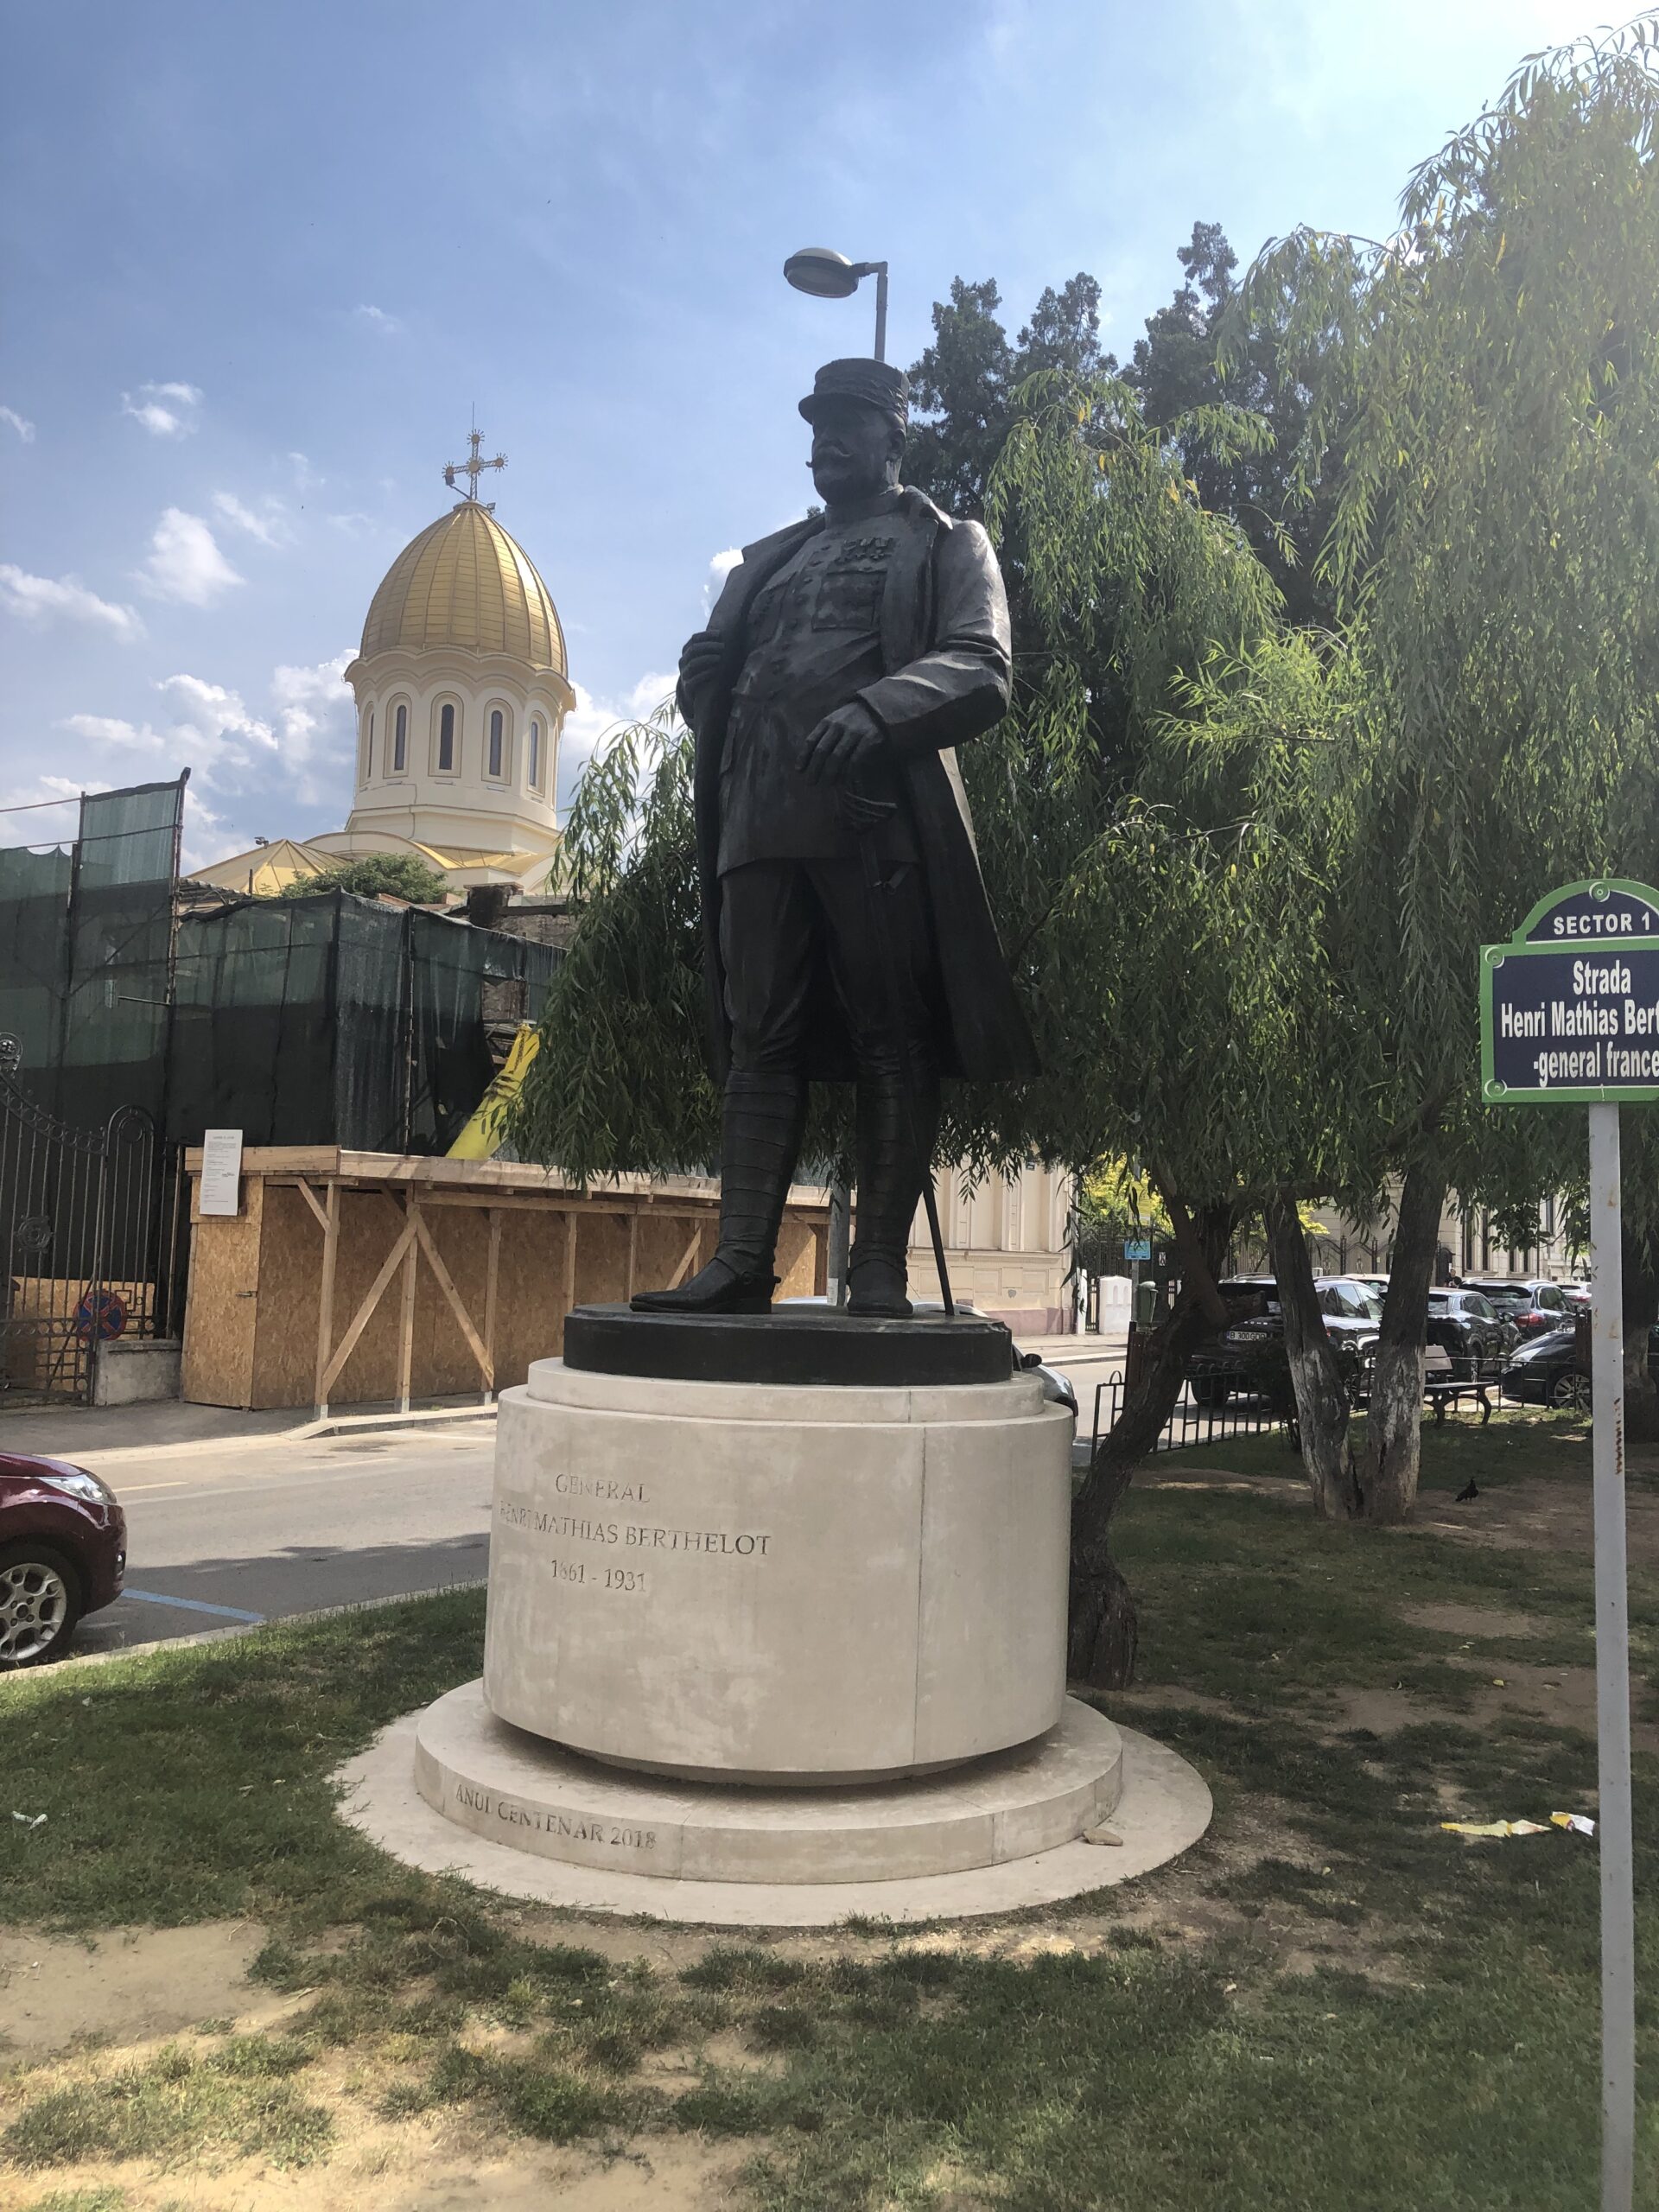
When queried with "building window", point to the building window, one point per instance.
{"points": [[400, 741], [535, 754], [446, 740], [368, 748], [498, 742]]}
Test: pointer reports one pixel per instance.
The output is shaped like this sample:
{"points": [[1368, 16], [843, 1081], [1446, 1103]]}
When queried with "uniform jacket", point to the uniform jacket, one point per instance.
{"points": [[946, 660]]}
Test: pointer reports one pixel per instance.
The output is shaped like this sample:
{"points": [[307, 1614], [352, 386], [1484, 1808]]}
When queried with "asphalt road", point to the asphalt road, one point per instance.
{"points": [[271, 1526], [228, 1521]]}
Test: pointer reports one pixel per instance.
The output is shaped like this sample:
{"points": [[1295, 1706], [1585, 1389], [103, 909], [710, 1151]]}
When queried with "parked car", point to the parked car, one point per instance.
{"points": [[1533, 1303], [63, 1555], [1248, 1355], [1472, 1331], [1057, 1388], [1550, 1370]]}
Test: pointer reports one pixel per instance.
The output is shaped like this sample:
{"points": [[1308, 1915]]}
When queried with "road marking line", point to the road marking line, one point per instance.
{"points": [[137, 1490], [191, 1606]]}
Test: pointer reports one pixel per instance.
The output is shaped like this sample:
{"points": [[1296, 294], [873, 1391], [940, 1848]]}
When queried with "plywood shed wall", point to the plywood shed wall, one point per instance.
{"points": [[517, 1254]]}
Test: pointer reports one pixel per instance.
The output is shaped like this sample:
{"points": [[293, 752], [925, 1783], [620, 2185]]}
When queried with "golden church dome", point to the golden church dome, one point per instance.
{"points": [[465, 582]]}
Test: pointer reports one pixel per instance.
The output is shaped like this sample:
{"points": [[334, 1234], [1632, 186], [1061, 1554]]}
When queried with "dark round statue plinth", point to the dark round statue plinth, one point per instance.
{"points": [[804, 1344]]}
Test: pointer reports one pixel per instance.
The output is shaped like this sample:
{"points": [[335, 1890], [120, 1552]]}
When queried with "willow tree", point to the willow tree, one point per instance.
{"points": [[1150, 900], [1490, 377]]}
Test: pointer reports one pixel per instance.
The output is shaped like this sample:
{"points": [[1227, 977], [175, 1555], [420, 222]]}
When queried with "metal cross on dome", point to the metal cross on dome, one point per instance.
{"points": [[471, 468]]}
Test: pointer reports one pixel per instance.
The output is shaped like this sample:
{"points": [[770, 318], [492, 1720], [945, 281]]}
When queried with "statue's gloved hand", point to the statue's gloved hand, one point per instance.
{"points": [[840, 741], [699, 660]]}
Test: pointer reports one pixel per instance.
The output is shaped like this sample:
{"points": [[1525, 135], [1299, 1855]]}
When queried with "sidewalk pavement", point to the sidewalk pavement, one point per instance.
{"points": [[91, 1435], [1087, 1351]]}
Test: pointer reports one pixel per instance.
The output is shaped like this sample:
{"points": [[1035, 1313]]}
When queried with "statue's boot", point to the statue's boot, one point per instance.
{"points": [[891, 1164], [761, 1139]]}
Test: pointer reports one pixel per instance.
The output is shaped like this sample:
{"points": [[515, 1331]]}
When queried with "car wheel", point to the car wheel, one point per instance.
{"points": [[1570, 1389], [39, 1603]]}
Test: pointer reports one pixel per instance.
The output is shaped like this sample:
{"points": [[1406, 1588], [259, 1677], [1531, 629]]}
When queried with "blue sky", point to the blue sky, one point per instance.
{"points": [[260, 263]]}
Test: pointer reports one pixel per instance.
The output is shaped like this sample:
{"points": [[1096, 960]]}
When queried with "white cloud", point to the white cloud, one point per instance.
{"points": [[109, 729], [219, 712], [43, 813], [354, 524], [37, 599], [317, 720], [720, 567], [166, 410], [590, 718], [306, 478], [248, 768], [378, 319], [269, 522], [206, 833], [185, 562], [14, 421]]}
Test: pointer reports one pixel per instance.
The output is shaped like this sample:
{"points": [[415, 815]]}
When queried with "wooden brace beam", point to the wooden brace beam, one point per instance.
{"points": [[364, 1313], [445, 1284]]}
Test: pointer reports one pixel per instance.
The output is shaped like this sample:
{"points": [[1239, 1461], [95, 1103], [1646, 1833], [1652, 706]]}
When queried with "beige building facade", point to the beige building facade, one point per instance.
{"points": [[1006, 1246]]}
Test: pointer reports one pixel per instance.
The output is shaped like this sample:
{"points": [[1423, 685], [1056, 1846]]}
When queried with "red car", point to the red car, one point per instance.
{"points": [[63, 1552]]}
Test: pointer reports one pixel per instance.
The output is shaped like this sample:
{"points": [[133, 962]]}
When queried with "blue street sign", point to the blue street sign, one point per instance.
{"points": [[1137, 1248], [1570, 1008]]}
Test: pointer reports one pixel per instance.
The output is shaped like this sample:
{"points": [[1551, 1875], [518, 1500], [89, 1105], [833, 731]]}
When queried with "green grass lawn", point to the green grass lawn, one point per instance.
{"points": [[1328, 2003]]}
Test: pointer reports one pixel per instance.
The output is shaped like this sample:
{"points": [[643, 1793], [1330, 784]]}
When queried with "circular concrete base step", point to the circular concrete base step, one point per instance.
{"points": [[517, 1789], [1164, 1810]]}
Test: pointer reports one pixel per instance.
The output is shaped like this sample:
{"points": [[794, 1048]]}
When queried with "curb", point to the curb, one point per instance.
{"points": [[235, 1628], [309, 1431]]}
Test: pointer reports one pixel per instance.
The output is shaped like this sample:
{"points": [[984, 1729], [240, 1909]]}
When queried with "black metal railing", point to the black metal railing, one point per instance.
{"points": [[1210, 1418], [93, 1235], [1215, 1406]]}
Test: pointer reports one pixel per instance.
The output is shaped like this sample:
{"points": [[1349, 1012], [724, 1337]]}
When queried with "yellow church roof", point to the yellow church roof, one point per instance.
{"points": [[465, 582], [266, 869]]}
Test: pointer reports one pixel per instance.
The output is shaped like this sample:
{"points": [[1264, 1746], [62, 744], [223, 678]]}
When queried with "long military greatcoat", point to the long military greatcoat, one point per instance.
{"points": [[946, 661]]}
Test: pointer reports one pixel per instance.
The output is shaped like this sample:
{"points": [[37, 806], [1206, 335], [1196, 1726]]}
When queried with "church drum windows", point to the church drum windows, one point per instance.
{"points": [[446, 757], [366, 767], [533, 777], [496, 752], [400, 740]]}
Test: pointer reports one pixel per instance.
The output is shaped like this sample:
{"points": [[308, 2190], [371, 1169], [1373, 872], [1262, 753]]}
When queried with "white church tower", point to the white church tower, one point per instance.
{"points": [[462, 690]]}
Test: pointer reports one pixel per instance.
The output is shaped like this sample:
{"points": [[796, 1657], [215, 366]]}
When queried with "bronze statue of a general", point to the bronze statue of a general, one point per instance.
{"points": [[846, 926]]}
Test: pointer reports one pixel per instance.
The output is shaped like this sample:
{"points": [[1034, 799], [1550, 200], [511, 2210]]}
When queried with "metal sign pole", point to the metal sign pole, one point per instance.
{"points": [[1612, 1670]]}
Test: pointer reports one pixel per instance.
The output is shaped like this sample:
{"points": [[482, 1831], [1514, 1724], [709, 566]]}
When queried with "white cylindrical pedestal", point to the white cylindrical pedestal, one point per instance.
{"points": [[737, 1582]]}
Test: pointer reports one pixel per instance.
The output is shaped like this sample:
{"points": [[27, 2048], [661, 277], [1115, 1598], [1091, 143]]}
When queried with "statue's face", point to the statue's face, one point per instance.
{"points": [[851, 446]]}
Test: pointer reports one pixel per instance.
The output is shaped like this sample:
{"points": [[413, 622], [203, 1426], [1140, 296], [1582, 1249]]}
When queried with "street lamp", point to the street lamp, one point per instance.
{"points": [[828, 275]]}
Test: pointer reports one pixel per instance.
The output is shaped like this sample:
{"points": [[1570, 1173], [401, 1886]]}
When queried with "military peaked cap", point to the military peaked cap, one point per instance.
{"points": [[878, 384]]}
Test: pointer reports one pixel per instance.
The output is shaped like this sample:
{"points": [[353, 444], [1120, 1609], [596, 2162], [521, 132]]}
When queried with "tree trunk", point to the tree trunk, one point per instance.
{"points": [[1393, 1454], [1640, 1293], [1103, 1631], [1322, 1409]]}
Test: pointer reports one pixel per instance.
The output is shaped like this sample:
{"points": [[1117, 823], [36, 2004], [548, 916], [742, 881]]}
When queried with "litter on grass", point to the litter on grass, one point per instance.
{"points": [[1575, 1823], [30, 1820], [1494, 1828]]}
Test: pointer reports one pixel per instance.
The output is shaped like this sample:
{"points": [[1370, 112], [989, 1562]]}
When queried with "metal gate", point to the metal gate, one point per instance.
{"points": [[90, 1240]]}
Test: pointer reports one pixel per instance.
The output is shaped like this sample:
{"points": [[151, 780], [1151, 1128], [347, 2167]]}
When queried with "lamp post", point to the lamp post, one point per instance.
{"points": [[828, 275], [824, 274]]}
